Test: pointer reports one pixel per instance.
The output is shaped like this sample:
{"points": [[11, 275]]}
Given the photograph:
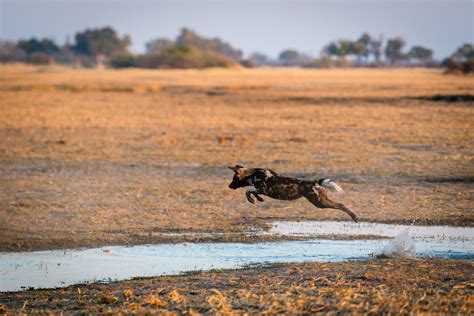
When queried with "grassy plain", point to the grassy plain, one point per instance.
{"points": [[375, 287], [93, 157]]}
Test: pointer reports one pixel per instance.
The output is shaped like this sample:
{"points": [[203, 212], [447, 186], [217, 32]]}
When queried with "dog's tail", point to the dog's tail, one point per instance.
{"points": [[328, 184]]}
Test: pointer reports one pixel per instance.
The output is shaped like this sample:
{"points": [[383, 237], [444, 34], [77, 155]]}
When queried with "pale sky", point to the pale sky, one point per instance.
{"points": [[260, 25]]}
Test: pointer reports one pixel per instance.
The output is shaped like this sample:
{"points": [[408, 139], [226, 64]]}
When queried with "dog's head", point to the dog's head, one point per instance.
{"points": [[241, 177]]}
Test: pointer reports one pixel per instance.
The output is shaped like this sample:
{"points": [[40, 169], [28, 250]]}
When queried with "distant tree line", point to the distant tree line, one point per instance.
{"points": [[370, 51], [92, 47], [102, 47]]}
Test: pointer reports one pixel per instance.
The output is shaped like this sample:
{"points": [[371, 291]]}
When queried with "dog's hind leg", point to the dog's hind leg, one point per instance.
{"points": [[319, 199], [253, 192]]}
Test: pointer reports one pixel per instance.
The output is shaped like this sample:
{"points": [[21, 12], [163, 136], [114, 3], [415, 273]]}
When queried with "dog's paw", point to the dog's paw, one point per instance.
{"points": [[250, 199], [259, 198]]}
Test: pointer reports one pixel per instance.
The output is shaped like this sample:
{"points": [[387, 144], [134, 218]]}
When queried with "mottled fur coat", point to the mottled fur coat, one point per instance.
{"points": [[268, 182]]}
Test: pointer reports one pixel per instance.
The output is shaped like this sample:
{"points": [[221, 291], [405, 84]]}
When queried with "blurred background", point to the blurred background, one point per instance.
{"points": [[189, 34]]}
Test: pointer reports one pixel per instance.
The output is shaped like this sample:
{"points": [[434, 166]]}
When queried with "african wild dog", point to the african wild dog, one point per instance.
{"points": [[268, 182]]}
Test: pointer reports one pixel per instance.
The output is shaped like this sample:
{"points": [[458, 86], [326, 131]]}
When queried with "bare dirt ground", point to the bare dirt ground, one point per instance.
{"points": [[374, 287], [92, 157]]}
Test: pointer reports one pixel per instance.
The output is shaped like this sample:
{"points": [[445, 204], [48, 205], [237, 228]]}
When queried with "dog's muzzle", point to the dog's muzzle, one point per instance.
{"points": [[233, 186]]}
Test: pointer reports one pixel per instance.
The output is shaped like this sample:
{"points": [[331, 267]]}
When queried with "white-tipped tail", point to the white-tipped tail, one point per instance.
{"points": [[327, 183]]}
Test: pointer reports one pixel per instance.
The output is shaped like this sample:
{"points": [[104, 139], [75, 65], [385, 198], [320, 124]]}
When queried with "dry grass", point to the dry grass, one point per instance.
{"points": [[374, 287], [105, 157]]}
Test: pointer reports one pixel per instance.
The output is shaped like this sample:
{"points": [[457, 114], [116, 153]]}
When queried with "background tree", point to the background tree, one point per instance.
{"points": [[468, 65], [376, 49], [158, 45], [331, 49], [461, 61], [341, 48], [393, 50], [9, 52], [101, 43], [39, 51], [33, 45], [188, 37], [452, 65], [344, 48], [66, 54], [421, 54], [358, 49], [465, 51], [364, 42], [259, 59], [291, 57]]}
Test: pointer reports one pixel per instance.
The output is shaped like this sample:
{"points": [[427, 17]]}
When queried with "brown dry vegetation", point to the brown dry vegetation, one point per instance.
{"points": [[116, 157], [374, 287]]}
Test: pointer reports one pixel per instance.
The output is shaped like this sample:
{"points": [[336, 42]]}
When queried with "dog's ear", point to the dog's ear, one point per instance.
{"points": [[237, 168]]}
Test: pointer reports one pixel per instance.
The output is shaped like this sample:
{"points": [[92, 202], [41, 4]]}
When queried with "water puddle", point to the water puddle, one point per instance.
{"points": [[350, 230], [58, 268]]}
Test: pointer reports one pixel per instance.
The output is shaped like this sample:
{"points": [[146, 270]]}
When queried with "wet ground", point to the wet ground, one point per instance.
{"points": [[364, 230], [50, 269], [373, 286]]}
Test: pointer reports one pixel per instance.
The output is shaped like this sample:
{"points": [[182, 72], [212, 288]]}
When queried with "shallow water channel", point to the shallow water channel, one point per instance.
{"points": [[58, 268]]}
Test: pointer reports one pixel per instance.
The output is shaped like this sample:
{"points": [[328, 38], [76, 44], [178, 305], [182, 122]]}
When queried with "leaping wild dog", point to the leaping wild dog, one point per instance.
{"points": [[268, 182]]}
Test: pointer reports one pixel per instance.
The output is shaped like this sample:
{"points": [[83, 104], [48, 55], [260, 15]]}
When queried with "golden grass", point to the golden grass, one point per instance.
{"points": [[368, 287], [93, 157]]}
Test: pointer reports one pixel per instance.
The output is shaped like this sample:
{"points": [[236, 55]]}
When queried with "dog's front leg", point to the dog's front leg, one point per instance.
{"points": [[254, 192]]}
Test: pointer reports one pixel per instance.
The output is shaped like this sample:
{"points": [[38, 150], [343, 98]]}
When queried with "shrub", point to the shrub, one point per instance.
{"points": [[40, 59], [468, 66], [323, 62], [123, 61], [248, 63], [452, 66], [183, 56], [10, 52]]}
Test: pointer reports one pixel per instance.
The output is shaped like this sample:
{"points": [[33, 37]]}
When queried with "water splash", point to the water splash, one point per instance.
{"points": [[401, 247]]}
